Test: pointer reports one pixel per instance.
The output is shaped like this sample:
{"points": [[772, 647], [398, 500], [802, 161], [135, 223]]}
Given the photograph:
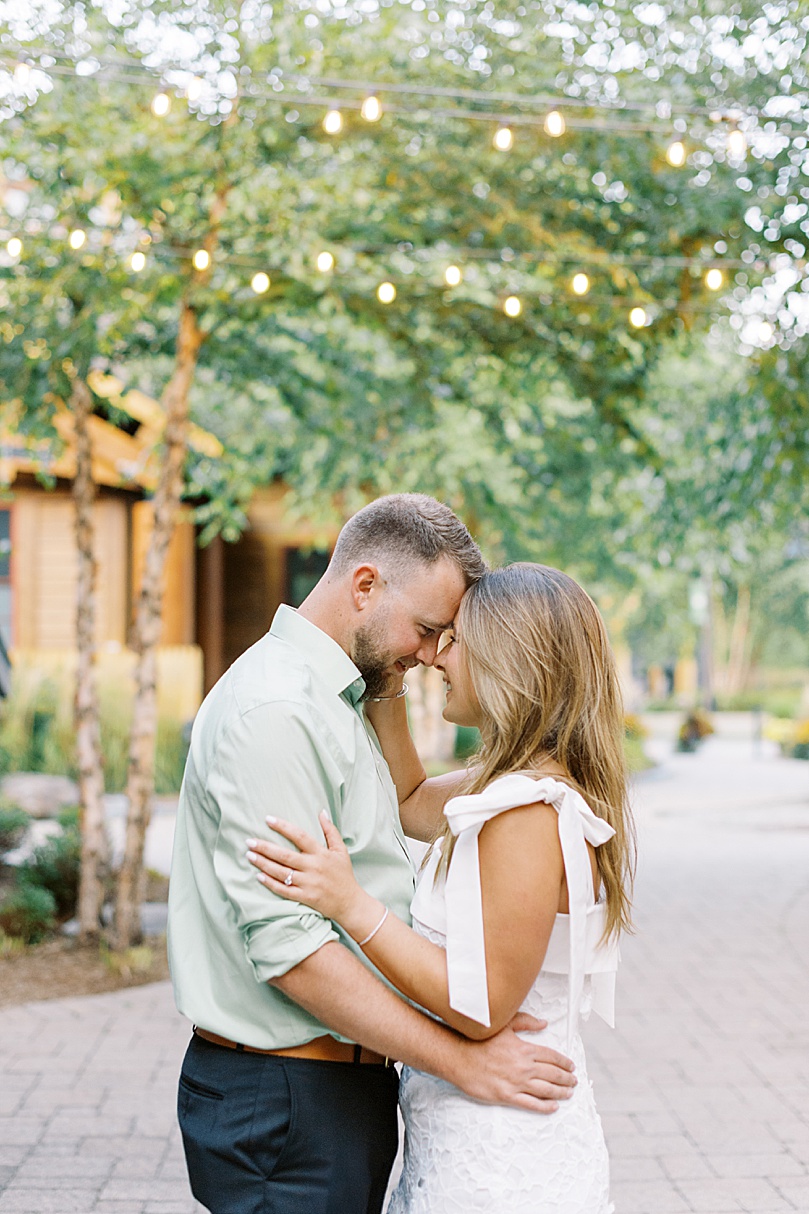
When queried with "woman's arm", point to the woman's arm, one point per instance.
{"points": [[421, 799], [521, 872]]}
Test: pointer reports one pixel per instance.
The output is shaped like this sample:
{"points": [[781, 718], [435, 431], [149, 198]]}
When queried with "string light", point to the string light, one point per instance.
{"points": [[765, 331], [503, 138], [14, 247], [371, 109], [386, 292], [714, 279], [201, 259], [260, 282], [194, 90], [77, 238], [161, 104], [580, 284], [325, 262], [453, 276], [676, 154], [22, 74], [137, 261], [555, 124], [512, 306], [638, 318], [333, 122], [737, 144]]}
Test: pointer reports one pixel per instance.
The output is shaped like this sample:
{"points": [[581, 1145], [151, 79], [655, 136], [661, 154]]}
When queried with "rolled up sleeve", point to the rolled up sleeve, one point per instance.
{"points": [[275, 759]]}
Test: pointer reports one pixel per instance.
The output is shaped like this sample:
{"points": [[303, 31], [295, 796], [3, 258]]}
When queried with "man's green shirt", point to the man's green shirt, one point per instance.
{"points": [[281, 733]]}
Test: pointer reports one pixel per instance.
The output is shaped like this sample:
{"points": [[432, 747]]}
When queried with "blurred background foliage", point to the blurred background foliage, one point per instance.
{"points": [[647, 461]]}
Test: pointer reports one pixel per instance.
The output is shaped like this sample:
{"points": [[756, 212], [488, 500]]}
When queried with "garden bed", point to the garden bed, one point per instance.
{"points": [[62, 967]]}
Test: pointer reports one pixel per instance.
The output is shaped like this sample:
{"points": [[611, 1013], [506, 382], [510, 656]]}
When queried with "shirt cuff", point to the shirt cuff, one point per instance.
{"points": [[275, 948]]}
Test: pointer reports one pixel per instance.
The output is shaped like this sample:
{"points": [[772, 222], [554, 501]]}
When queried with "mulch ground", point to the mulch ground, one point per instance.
{"points": [[58, 968]]}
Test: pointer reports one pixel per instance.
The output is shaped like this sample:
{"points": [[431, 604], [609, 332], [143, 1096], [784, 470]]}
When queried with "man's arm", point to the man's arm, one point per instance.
{"points": [[336, 988]]}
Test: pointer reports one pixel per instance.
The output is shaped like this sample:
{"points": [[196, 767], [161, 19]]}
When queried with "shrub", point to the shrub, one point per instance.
{"points": [[694, 729], [54, 867], [173, 739], [13, 825], [37, 732], [800, 740], [634, 727], [28, 913]]}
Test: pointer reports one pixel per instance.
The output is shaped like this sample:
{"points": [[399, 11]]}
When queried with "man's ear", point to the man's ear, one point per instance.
{"points": [[366, 584]]}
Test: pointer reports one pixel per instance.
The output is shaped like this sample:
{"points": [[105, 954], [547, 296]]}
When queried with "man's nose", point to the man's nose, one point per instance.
{"points": [[427, 652]]}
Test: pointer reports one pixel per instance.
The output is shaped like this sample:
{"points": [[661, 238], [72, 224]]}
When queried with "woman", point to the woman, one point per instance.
{"points": [[521, 898]]}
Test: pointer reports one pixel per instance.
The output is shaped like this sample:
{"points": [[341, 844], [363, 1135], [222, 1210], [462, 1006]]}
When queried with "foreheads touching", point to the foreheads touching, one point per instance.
{"points": [[403, 564]]}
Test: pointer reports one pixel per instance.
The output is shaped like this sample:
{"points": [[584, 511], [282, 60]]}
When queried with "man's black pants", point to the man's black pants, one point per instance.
{"points": [[265, 1134]]}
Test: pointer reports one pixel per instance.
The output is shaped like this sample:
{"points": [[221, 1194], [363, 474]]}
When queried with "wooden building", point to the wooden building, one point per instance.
{"points": [[217, 601]]}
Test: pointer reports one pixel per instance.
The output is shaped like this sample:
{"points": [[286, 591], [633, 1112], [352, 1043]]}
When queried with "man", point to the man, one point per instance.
{"points": [[280, 1110]]}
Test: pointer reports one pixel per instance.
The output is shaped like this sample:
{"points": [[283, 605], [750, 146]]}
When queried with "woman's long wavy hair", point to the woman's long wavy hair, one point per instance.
{"points": [[544, 674]]}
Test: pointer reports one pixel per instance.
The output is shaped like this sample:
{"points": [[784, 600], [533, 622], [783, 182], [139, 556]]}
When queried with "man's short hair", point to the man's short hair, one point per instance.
{"points": [[404, 529]]}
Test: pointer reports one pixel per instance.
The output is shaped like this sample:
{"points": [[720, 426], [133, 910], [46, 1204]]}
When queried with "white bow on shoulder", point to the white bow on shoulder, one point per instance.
{"points": [[466, 954]]}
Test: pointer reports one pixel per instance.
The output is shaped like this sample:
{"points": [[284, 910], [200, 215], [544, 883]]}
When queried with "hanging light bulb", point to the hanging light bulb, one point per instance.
{"points": [[555, 124], [194, 88], [77, 238], [14, 247], [714, 279], [371, 109], [453, 276], [260, 282], [580, 284], [325, 262], [638, 318], [333, 122], [386, 292], [161, 104], [676, 154], [201, 259], [503, 138], [737, 144], [137, 261], [512, 306]]}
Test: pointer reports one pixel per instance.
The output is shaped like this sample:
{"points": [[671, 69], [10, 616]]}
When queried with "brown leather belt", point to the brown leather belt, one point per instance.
{"points": [[322, 1049]]}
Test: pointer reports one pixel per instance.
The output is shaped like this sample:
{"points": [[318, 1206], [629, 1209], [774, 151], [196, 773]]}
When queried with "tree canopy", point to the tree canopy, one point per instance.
{"points": [[544, 426]]}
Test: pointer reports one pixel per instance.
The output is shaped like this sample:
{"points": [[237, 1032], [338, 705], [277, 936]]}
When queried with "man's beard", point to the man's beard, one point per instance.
{"points": [[371, 661]]}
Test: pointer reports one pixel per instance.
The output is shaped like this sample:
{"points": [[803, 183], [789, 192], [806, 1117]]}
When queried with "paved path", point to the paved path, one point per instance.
{"points": [[704, 1086]]}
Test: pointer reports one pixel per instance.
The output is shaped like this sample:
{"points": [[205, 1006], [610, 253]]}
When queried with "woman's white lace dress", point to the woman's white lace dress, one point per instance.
{"points": [[461, 1156]]}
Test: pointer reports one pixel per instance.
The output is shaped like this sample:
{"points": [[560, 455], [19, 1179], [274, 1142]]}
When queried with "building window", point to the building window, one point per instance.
{"points": [[304, 567], [6, 614]]}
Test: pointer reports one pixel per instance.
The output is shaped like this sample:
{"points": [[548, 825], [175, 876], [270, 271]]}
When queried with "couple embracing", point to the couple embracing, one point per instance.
{"points": [[310, 956]]}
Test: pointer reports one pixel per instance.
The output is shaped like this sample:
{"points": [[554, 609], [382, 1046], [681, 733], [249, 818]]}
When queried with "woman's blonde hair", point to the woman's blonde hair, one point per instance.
{"points": [[544, 674]]}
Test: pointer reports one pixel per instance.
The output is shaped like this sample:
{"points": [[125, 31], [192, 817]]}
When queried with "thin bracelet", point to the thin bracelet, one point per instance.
{"points": [[398, 696], [370, 936]]}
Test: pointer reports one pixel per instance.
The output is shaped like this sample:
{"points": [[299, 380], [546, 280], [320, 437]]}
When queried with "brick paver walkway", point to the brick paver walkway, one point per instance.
{"points": [[87, 1096], [704, 1085]]}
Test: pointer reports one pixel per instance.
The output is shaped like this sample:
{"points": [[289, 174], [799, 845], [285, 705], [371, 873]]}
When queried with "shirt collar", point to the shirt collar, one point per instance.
{"points": [[331, 661]]}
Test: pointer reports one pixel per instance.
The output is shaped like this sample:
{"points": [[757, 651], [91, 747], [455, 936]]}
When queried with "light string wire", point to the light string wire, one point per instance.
{"points": [[712, 268], [134, 72], [642, 310]]}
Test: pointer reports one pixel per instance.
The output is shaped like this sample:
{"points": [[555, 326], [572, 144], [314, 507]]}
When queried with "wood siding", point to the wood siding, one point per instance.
{"points": [[44, 585], [254, 569]]}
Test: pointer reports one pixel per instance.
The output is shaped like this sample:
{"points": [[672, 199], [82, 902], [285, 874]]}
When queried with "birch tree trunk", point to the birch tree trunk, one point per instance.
{"points": [[148, 620], [94, 848]]}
